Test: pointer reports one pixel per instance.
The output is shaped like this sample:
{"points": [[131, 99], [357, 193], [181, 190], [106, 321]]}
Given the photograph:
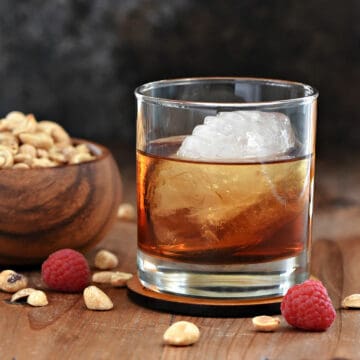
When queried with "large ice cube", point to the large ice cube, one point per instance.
{"points": [[239, 135]]}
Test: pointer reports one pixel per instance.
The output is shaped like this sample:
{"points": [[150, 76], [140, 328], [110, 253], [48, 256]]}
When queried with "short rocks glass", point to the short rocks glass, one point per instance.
{"points": [[225, 173]]}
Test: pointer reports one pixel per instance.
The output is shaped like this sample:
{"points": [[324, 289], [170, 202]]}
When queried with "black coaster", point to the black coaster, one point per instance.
{"points": [[205, 307]]}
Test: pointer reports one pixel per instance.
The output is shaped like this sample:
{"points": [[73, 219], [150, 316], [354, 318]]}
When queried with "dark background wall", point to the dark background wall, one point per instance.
{"points": [[78, 61]]}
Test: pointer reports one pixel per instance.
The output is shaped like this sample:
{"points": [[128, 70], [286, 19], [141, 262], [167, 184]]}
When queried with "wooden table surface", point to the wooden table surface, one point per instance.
{"points": [[65, 329]]}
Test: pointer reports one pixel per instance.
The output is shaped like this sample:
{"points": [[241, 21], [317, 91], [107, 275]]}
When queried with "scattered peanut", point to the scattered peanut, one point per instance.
{"points": [[181, 333], [34, 297], [11, 281], [126, 212], [22, 294], [25, 143], [114, 278], [37, 298], [351, 302], [96, 299], [102, 277], [266, 323], [105, 260], [119, 279]]}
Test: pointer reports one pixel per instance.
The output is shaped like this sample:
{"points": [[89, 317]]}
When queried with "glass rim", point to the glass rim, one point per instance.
{"points": [[310, 92]]}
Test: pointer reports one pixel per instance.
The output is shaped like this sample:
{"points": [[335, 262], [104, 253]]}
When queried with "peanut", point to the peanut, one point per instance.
{"points": [[78, 158], [56, 131], [42, 153], [96, 299], [266, 323], [27, 125], [351, 302], [3, 125], [56, 155], [21, 294], [82, 148], [6, 157], [119, 279], [126, 212], [9, 140], [11, 281], [27, 149], [35, 144], [42, 163], [23, 158], [37, 298], [114, 278], [102, 277], [34, 297], [105, 260], [21, 166], [181, 333], [68, 151], [17, 122], [38, 140]]}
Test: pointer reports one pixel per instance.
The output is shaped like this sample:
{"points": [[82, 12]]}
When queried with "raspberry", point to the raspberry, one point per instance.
{"points": [[307, 306], [66, 270]]}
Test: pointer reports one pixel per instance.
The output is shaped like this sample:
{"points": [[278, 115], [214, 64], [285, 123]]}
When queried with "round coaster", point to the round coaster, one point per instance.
{"points": [[206, 307]]}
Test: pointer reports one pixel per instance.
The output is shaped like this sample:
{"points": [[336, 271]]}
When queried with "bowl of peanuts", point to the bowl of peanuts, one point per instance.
{"points": [[55, 191]]}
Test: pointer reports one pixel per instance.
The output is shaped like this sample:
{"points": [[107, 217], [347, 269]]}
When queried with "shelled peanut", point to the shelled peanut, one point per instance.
{"points": [[27, 143]]}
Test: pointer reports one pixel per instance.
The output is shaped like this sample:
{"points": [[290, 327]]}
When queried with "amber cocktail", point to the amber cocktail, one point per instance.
{"points": [[225, 186]]}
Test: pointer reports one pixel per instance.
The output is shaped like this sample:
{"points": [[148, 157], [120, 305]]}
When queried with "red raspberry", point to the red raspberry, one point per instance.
{"points": [[66, 270], [308, 306]]}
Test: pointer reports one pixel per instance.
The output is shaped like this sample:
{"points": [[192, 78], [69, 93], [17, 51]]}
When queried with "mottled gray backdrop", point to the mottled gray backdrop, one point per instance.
{"points": [[78, 61]]}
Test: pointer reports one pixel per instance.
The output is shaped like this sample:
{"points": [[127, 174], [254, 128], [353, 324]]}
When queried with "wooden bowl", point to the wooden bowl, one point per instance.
{"points": [[46, 209]]}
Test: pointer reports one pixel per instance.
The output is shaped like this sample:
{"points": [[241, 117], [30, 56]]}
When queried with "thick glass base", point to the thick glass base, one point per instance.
{"points": [[247, 281]]}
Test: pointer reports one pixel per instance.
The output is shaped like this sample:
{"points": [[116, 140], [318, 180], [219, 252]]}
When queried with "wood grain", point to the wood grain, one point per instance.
{"points": [[66, 330], [45, 209]]}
